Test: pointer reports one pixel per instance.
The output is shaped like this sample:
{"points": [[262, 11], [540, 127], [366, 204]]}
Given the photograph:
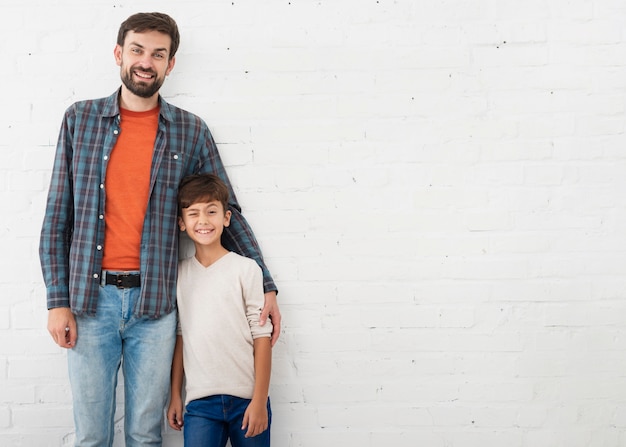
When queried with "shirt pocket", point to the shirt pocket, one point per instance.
{"points": [[171, 169]]}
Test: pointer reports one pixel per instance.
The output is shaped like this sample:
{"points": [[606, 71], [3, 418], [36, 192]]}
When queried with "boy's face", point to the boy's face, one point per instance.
{"points": [[144, 61], [204, 222]]}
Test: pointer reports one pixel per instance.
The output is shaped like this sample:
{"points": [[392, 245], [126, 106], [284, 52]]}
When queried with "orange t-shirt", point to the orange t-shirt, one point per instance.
{"points": [[127, 185]]}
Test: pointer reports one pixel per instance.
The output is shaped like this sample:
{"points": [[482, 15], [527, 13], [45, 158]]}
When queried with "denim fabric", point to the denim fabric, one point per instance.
{"points": [[211, 421], [143, 347]]}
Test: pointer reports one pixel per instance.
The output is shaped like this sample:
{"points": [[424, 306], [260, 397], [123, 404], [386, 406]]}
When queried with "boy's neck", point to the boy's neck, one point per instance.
{"points": [[207, 255]]}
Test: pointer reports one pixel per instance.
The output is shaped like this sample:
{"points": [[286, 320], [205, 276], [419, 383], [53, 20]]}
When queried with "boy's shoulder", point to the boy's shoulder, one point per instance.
{"points": [[185, 261], [242, 261], [238, 265]]}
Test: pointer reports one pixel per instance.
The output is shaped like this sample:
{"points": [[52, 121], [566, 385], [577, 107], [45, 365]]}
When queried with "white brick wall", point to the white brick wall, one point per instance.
{"points": [[438, 188]]}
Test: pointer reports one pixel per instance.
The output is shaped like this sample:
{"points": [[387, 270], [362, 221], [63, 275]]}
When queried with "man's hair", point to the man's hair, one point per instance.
{"points": [[150, 21], [202, 188]]}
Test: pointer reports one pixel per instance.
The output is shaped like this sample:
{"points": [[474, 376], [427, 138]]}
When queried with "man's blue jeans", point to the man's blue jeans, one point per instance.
{"points": [[211, 421], [146, 347]]}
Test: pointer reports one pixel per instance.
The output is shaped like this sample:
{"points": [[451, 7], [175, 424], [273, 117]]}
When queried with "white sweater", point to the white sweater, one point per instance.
{"points": [[218, 309]]}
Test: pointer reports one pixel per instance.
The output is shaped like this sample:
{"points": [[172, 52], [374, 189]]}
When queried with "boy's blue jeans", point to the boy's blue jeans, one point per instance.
{"points": [[211, 421], [146, 347]]}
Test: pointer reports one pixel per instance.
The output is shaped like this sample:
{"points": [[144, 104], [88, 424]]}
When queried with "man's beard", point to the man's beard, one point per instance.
{"points": [[140, 89]]}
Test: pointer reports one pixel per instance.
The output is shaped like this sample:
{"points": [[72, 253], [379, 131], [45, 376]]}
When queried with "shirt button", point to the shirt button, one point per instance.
{"points": [[101, 185], [116, 131], [176, 157], [99, 247], [101, 216], [106, 157], [95, 275]]}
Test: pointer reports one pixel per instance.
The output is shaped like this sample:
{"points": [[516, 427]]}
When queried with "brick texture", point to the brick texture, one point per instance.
{"points": [[438, 188]]}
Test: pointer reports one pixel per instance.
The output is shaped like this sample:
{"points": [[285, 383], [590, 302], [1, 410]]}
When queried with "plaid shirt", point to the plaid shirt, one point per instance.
{"points": [[72, 236]]}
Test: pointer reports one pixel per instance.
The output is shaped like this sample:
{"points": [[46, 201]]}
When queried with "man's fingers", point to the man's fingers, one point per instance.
{"points": [[65, 338], [62, 327], [275, 332], [71, 335], [264, 314]]}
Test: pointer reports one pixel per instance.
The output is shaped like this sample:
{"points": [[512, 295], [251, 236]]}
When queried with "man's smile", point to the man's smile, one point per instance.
{"points": [[144, 74]]}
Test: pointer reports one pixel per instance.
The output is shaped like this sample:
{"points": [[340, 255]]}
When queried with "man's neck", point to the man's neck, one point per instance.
{"points": [[134, 103]]}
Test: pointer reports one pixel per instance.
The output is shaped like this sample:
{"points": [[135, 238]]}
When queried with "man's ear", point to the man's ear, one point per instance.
{"points": [[117, 53], [170, 65]]}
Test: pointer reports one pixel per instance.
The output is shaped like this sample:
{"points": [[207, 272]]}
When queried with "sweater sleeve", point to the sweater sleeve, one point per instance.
{"points": [[254, 299]]}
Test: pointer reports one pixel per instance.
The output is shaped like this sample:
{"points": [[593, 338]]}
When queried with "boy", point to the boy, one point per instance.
{"points": [[225, 352]]}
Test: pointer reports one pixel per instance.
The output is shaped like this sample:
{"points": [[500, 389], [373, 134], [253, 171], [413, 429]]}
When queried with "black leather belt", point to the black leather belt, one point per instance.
{"points": [[123, 280]]}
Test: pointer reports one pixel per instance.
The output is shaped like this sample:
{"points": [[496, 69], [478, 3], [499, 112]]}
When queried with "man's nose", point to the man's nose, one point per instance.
{"points": [[145, 60]]}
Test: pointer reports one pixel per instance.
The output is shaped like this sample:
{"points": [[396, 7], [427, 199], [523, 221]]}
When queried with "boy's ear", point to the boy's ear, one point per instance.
{"points": [[227, 215], [181, 224]]}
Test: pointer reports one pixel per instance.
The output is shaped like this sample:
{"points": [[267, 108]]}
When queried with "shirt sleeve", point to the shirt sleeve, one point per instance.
{"points": [[57, 228], [252, 286], [237, 237]]}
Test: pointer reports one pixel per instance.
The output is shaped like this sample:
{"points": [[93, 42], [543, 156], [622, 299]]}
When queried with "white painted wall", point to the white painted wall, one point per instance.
{"points": [[439, 189]]}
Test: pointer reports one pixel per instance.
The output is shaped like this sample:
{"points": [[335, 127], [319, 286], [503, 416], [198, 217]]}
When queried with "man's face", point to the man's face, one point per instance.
{"points": [[144, 62]]}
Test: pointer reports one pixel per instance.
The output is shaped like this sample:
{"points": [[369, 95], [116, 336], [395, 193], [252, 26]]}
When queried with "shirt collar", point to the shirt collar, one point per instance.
{"points": [[112, 107]]}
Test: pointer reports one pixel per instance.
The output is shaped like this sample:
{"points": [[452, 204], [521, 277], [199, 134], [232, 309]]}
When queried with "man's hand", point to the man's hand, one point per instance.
{"points": [[62, 327], [271, 309]]}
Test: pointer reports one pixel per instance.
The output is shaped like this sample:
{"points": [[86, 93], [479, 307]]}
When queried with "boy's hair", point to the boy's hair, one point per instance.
{"points": [[201, 188], [150, 21]]}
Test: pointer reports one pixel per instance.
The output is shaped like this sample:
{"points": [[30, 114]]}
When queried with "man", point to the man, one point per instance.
{"points": [[109, 242]]}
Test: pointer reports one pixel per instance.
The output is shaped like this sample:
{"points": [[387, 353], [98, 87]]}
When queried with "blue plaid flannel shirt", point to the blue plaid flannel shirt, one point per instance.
{"points": [[72, 233]]}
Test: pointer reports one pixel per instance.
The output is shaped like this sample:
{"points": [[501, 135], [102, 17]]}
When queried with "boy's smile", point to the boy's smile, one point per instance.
{"points": [[204, 222]]}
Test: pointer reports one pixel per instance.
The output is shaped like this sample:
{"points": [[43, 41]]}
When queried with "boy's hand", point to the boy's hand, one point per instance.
{"points": [[255, 419], [175, 413]]}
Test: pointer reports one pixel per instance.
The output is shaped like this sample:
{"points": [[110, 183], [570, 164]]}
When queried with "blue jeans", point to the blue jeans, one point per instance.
{"points": [[146, 347], [211, 421]]}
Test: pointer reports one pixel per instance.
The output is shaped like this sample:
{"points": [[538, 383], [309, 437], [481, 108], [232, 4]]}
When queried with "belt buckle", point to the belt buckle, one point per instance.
{"points": [[120, 280]]}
